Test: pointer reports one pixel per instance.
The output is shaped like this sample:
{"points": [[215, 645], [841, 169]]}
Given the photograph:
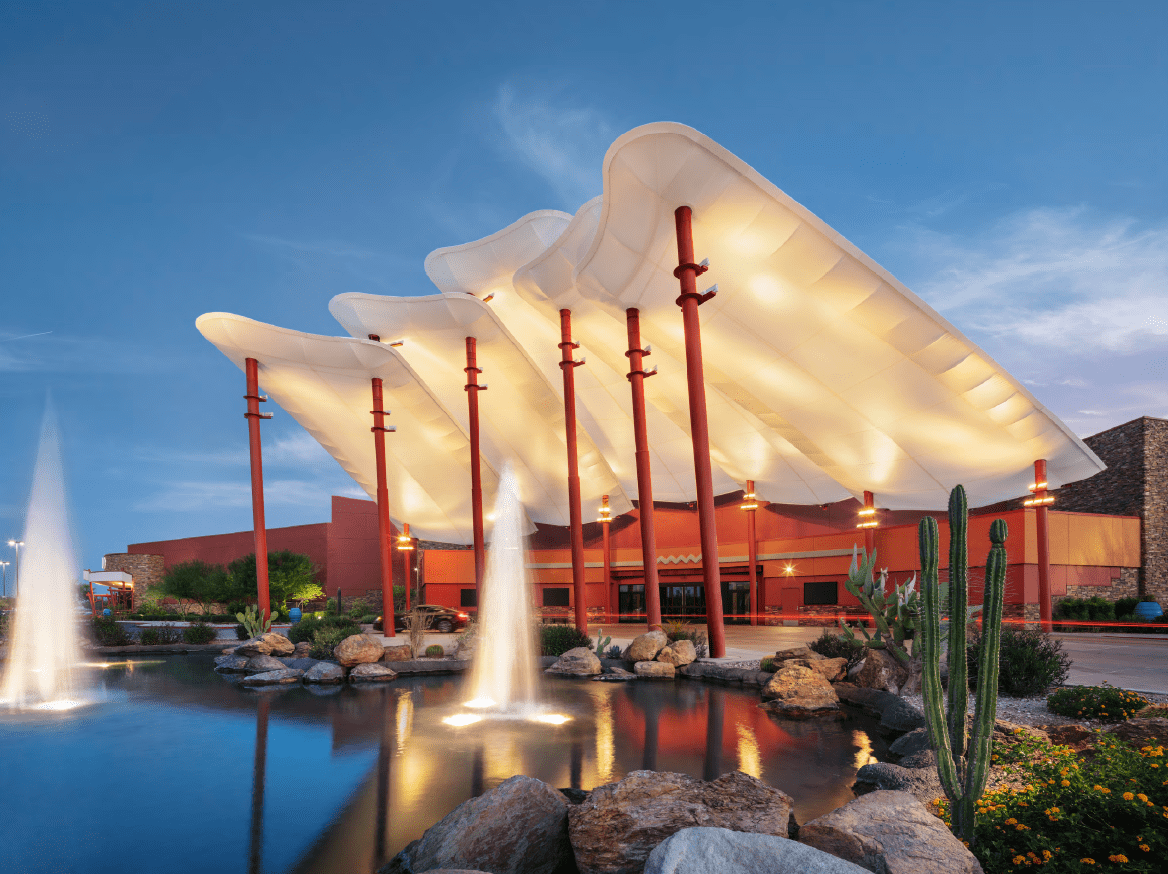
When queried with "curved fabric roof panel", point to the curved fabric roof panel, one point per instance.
{"points": [[833, 356], [521, 415], [324, 383]]}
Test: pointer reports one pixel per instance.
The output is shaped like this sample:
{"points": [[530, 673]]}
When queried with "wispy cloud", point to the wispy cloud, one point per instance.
{"points": [[564, 144], [332, 248], [194, 496], [1065, 279], [54, 352]]}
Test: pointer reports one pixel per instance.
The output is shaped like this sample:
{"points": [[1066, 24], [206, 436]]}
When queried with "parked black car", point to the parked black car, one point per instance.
{"points": [[443, 619]]}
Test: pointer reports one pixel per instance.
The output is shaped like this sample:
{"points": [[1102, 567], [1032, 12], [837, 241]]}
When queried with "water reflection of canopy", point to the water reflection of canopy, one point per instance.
{"points": [[825, 377]]}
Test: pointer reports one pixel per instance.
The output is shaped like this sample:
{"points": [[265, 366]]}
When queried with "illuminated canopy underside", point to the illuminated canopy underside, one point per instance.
{"points": [[825, 376]]}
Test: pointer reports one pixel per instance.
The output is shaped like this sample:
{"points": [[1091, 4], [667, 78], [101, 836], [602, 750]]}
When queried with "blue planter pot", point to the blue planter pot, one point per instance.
{"points": [[106, 613], [295, 615], [1146, 611]]}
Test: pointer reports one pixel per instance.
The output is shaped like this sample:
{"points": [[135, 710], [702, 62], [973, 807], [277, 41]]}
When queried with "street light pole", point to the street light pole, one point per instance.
{"points": [[16, 544], [4, 578]]}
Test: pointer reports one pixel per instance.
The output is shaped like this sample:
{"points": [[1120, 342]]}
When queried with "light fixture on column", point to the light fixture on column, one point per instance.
{"points": [[867, 513], [404, 541], [749, 501], [1041, 498]]}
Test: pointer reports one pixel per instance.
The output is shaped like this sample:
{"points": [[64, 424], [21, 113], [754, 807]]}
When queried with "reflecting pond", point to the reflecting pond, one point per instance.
{"points": [[173, 768]]}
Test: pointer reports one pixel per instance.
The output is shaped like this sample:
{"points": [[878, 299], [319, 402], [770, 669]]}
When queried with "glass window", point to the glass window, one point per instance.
{"points": [[555, 597], [821, 593], [470, 598]]}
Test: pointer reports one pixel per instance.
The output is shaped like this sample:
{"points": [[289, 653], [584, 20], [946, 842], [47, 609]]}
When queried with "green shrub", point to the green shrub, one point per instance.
{"points": [[555, 640], [158, 635], [435, 651], [107, 632], [305, 629], [835, 646], [1061, 813], [1094, 609], [1125, 607], [199, 633], [241, 632], [325, 640], [1105, 702], [1029, 662], [768, 664]]}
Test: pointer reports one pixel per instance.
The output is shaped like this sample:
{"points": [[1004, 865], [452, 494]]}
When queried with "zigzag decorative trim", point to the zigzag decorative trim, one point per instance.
{"points": [[678, 559]]}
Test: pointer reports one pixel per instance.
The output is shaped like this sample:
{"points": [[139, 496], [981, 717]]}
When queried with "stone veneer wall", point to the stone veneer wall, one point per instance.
{"points": [[146, 570], [1134, 484]]}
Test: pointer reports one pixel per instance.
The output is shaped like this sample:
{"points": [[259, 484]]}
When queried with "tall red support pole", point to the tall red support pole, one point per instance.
{"points": [[476, 479], [606, 550], [751, 507], [637, 376], [568, 365], [687, 273], [1041, 502], [384, 529], [253, 414]]}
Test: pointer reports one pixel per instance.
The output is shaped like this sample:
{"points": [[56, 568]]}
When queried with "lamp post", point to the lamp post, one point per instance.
{"points": [[405, 543], [4, 578], [15, 544], [606, 554]]}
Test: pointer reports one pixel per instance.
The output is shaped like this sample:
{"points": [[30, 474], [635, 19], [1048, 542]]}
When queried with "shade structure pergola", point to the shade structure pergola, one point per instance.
{"points": [[825, 377]]}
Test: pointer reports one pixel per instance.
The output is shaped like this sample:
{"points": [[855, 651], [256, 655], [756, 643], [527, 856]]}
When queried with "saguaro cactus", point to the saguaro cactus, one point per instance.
{"points": [[962, 771]]}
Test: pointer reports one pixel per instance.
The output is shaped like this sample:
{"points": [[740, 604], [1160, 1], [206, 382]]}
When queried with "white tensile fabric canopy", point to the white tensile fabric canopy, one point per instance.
{"points": [[825, 377]]}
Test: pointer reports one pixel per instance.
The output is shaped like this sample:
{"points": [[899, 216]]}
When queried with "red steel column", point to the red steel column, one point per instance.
{"points": [[253, 414], [1041, 501], [606, 550], [687, 273], [751, 507], [870, 516], [637, 376], [476, 480], [384, 531], [576, 530]]}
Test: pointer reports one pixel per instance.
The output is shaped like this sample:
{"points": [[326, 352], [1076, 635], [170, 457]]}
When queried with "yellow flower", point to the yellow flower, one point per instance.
{"points": [[1142, 797], [1127, 796], [1066, 782], [1087, 861], [1145, 848], [1118, 857], [1011, 821]]}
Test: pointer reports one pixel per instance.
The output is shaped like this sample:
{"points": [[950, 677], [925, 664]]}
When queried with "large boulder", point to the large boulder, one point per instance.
{"points": [[371, 672], [519, 827], [910, 744], [655, 670], [832, 669], [577, 662], [874, 701], [401, 653], [678, 653], [891, 833], [268, 643], [619, 825], [231, 664], [325, 673], [900, 716], [797, 652], [358, 649], [261, 664], [796, 692], [302, 650], [880, 670], [645, 647], [724, 851], [923, 783], [285, 677]]}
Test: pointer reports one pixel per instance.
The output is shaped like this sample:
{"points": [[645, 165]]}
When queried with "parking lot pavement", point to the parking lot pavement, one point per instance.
{"points": [[1140, 664]]}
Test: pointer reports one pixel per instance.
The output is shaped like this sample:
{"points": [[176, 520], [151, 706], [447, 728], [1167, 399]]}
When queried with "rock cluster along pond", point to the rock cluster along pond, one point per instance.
{"points": [[665, 823], [273, 660]]}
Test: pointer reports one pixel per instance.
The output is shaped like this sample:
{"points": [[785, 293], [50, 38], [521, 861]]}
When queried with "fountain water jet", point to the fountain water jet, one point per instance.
{"points": [[43, 648], [504, 674]]}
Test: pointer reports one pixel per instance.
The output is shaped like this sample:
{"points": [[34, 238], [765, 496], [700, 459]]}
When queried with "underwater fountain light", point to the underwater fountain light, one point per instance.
{"points": [[458, 720], [552, 718]]}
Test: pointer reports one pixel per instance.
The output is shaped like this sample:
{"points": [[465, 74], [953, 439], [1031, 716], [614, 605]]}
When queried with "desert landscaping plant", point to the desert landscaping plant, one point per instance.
{"points": [[255, 623], [107, 632], [1105, 703], [199, 633], [834, 646], [435, 651], [963, 771], [1030, 662], [417, 622]]}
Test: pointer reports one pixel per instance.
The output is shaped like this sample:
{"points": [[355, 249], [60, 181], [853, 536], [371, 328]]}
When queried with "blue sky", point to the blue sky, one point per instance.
{"points": [[1007, 161]]}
